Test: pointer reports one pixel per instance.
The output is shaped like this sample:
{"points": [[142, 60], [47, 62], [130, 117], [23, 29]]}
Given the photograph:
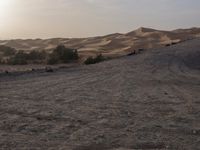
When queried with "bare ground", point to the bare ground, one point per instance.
{"points": [[147, 101]]}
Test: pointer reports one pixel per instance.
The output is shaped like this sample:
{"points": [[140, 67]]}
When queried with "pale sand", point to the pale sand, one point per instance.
{"points": [[141, 38]]}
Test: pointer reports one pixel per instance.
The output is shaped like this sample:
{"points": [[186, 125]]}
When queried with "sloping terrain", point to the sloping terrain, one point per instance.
{"points": [[111, 45], [145, 101]]}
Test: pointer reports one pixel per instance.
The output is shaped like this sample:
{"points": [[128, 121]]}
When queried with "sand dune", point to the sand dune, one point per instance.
{"points": [[113, 44]]}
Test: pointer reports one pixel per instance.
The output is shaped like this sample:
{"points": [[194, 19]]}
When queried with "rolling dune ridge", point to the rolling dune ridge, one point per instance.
{"points": [[110, 45]]}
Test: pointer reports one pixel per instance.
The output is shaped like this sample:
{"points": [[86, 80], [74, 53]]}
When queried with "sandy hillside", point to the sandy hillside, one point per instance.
{"points": [[112, 45], [146, 101]]}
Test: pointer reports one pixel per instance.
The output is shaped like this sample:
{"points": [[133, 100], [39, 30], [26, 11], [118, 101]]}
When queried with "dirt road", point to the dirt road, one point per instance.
{"points": [[146, 101]]}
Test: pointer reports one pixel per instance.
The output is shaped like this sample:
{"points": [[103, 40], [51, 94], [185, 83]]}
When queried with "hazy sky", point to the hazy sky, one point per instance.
{"points": [[83, 18]]}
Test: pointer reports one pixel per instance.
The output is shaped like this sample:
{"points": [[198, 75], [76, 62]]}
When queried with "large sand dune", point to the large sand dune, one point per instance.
{"points": [[113, 44], [146, 101]]}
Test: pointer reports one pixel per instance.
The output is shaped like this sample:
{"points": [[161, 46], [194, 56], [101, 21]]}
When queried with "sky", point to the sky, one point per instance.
{"points": [[86, 18]]}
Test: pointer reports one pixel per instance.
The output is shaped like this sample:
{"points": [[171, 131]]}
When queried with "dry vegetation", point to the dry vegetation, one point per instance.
{"points": [[60, 54]]}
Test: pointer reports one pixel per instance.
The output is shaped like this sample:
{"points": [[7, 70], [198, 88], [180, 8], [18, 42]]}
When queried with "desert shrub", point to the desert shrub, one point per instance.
{"points": [[20, 58], [7, 51], [36, 55], [53, 59], [89, 60], [1, 60], [97, 59], [174, 43], [131, 53], [140, 49], [61, 54]]}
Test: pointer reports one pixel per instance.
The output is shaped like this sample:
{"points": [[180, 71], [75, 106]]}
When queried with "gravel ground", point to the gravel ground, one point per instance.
{"points": [[147, 101]]}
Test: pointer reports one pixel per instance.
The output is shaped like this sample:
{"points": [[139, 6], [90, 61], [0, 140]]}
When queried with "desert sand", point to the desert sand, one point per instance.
{"points": [[146, 101], [112, 45]]}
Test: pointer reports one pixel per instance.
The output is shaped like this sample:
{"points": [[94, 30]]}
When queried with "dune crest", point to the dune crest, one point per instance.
{"points": [[116, 44]]}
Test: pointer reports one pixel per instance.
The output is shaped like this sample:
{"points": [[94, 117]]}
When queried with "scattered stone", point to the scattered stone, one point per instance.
{"points": [[39, 118], [140, 50], [132, 53], [173, 43], [48, 69], [194, 131], [166, 93]]}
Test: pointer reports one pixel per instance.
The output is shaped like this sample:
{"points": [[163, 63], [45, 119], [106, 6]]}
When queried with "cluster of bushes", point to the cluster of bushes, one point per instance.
{"points": [[36, 55], [22, 58], [11, 56], [60, 54], [97, 59], [170, 44], [7, 51]]}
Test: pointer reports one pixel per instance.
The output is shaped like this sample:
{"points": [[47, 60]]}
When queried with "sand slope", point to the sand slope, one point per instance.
{"points": [[112, 45], [146, 101]]}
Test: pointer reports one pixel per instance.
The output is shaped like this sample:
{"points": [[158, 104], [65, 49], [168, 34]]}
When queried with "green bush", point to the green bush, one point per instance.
{"points": [[62, 55], [89, 60], [36, 55], [7, 51], [53, 59], [1, 61], [20, 58], [97, 59]]}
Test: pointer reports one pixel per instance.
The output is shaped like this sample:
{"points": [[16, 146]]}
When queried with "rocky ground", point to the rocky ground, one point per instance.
{"points": [[145, 101], [16, 69]]}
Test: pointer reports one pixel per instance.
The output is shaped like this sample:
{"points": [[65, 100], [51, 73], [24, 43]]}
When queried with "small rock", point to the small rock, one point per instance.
{"points": [[194, 131], [132, 53], [48, 69]]}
